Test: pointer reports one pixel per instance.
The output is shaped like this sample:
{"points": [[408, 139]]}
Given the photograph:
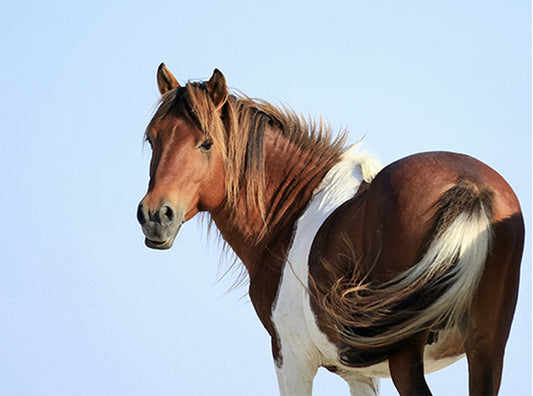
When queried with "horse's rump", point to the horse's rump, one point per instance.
{"points": [[375, 307]]}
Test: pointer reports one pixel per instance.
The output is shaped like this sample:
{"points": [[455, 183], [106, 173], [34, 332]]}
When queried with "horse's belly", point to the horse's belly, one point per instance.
{"points": [[447, 350]]}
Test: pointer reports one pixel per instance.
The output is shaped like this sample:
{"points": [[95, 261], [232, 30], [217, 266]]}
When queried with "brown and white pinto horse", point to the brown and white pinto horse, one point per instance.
{"points": [[368, 272]]}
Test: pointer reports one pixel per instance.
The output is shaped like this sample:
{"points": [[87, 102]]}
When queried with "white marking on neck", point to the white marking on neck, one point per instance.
{"points": [[303, 346]]}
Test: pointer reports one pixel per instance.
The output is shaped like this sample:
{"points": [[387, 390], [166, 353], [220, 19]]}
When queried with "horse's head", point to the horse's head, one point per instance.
{"points": [[187, 167]]}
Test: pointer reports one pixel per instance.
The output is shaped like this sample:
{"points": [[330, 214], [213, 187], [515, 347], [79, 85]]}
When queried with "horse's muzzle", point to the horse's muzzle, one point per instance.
{"points": [[160, 226]]}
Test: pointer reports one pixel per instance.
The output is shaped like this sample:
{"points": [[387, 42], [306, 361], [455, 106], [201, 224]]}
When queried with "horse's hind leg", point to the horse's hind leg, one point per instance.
{"points": [[362, 385], [486, 327], [407, 368]]}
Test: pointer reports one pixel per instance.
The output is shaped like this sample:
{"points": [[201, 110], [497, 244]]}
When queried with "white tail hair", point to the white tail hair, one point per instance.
{"points": [[447, 277]]}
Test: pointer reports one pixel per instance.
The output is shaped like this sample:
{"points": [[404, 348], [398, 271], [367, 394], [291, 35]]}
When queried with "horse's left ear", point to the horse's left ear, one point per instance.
{"points": [[217, 89], [165, 79]]}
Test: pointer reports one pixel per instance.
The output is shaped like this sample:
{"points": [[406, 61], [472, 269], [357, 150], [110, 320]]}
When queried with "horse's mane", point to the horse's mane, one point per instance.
{"points": [[239, 132]]}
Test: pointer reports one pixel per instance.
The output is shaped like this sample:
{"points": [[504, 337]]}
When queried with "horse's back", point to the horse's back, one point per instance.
{"points": [[432, 173]]}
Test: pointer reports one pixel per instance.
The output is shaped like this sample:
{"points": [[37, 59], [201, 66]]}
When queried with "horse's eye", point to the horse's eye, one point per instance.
{"points": [[206, 145]]}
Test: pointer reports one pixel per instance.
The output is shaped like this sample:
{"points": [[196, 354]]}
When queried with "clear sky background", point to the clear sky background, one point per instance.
{"points": [[85, 308]]}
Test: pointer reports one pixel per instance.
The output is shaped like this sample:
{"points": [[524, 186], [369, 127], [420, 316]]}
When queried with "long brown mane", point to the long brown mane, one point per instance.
{"points": [[239, 133]]}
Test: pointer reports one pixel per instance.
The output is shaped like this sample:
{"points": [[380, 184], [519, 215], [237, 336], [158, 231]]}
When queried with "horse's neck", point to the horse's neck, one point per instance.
{"points": [[292, 175]]}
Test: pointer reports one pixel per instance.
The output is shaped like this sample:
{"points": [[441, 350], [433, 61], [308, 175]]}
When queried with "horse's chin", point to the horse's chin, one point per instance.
{"points": [[162, 245], [158, 245]]}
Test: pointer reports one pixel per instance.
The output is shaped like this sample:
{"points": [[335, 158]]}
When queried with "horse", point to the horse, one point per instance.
{"points": [[365, 270]]}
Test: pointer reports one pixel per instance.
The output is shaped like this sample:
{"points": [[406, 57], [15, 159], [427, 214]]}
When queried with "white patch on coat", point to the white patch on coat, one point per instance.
{"points": [[304, 347]]}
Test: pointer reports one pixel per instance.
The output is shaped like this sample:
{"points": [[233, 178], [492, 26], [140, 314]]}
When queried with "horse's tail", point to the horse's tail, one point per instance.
{"points": [[433, 294]]}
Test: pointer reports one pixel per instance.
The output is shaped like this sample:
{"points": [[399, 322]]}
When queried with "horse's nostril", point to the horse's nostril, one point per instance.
{"points": [[164, 216], [167, 214], [141, 214]]}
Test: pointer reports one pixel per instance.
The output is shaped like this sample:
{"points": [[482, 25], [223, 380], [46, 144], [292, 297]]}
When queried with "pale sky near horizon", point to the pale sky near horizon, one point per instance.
{"points": [[85, 308]]}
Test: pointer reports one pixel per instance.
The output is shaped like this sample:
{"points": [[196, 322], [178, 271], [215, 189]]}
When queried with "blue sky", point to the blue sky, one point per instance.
{"points": [[85, 307]]}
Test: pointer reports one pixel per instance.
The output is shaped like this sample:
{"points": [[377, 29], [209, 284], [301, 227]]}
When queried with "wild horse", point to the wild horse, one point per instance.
{"points": [[368, 272]]}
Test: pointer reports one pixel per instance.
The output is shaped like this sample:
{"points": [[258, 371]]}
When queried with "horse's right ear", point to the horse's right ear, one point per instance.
{"points": [[217, 89], [165, 80]]}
